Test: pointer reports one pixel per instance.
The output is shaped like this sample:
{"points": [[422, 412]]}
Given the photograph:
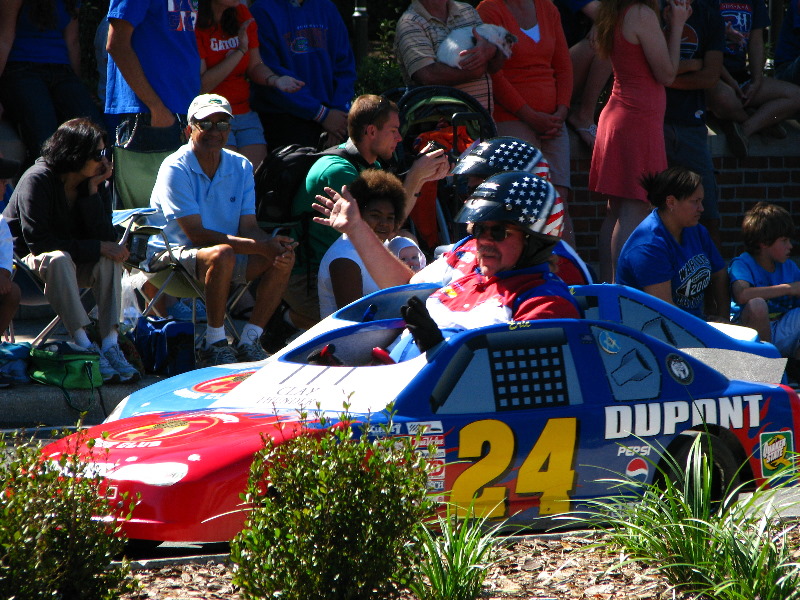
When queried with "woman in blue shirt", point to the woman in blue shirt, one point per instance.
{"points": [[670, 255]]}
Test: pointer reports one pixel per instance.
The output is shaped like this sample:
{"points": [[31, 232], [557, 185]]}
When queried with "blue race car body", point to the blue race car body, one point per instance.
{"points": [[528, 418]]}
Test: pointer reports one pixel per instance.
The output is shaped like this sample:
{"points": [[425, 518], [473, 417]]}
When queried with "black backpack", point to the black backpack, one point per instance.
{"points": [[281, 174]]}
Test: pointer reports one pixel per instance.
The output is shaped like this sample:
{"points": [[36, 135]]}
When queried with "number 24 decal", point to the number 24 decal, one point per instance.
{"points": [[547, 470]]}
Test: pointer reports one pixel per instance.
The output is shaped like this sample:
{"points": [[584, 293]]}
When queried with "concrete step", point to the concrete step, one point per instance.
{"points": [[33, 404]]}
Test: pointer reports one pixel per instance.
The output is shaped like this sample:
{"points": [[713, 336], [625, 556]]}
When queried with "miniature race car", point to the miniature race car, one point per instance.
{"points": [[528, 418]]}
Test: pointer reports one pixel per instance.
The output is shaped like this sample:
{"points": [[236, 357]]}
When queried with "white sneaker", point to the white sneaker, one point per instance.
{"points": [[115, 357], [107, 371]]}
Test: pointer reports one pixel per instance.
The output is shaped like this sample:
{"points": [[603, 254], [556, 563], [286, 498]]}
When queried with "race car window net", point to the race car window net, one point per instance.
{"points": [[506, 371]]}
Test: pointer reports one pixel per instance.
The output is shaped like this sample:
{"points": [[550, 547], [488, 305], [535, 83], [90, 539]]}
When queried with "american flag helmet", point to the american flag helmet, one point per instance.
{"points": [[500, 154], [517, 197]]}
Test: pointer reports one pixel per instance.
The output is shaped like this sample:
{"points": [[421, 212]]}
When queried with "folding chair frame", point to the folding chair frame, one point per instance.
{"points": [[136, 236]]}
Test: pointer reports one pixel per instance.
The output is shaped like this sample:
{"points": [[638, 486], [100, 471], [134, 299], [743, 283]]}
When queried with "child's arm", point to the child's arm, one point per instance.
{"points": [[743, 291]]}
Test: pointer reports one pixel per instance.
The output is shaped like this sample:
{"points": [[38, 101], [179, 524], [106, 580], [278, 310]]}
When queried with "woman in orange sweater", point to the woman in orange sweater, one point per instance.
{"points": [[532, 91]]}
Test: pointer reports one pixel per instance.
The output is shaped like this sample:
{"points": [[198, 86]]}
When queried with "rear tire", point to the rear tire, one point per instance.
{"points": [[725, 471]]}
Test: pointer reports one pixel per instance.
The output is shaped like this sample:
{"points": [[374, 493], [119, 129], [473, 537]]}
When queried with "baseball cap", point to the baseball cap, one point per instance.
{"points": [[8, 168], [208, 104]]}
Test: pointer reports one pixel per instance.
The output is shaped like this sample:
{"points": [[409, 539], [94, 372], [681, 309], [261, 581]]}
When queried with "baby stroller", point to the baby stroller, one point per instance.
{"points": [[448, 118]]}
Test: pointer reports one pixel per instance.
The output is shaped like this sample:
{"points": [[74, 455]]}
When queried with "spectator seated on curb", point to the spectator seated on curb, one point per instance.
{"points": [[206, 196], [343, 278], [670, 255], [746, 100], [60, 218], [765, 282]]}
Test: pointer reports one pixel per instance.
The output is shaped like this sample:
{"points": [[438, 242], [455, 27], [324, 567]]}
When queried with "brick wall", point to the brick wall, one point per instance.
{"points": [[771, 172]]}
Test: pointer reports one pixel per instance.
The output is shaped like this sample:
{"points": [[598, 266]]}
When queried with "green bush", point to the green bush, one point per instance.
{"points": [[729, 549], [379, 71], [336, 519], [50, 544], [377, 75]]}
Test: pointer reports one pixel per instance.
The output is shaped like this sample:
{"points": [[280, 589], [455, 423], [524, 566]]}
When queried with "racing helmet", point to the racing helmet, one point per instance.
{"points": [[518, 197], [500, 154], [521, 198]]}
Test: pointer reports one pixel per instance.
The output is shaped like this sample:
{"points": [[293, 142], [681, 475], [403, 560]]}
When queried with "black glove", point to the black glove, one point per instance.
{"points": [[423, 328]]}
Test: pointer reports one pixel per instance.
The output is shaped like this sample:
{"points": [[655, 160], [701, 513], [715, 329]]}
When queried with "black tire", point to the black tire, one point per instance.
{"points": [[725, 474], [140, 548]]}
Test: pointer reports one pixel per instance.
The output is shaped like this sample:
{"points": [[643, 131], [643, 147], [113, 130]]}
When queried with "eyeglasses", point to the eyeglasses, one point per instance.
{"points": [[100, 154], [497, 232], [209, 125]]}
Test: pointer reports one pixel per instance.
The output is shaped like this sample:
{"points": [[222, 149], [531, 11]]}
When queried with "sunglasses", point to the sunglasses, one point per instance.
{"points": [[99, 155], [209, 125], [497, 232]]}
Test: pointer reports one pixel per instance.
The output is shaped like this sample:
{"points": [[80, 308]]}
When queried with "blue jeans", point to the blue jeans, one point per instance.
{"points": [[687, 146], [38, 97]]}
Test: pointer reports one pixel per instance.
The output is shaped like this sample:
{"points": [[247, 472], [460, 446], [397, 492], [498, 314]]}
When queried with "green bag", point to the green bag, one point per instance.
{"points": [[68, 367]]}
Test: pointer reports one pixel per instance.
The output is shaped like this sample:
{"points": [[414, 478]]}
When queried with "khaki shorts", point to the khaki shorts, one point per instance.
{"points": [[187, 257]]}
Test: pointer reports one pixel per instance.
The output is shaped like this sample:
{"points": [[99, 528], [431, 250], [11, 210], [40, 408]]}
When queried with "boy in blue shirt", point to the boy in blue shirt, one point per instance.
{"points": [[765, 282]]}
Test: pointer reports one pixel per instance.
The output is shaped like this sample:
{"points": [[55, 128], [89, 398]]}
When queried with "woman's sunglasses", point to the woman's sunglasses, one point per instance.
{"points": [[99, 155], [497, 232], [209, 125]]}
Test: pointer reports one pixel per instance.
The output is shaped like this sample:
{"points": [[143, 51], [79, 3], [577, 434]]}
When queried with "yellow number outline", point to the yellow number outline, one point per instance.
{"points": [[547, 470]]}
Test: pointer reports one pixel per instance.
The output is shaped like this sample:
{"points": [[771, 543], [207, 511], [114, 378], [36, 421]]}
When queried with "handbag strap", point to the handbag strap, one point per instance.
{"points": [[87, 367]]}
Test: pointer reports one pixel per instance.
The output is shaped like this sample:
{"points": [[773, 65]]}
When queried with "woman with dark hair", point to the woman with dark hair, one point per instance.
{"points": [[670, 255], [40, 84], [343, 277], [60, 218], [227, 39]]}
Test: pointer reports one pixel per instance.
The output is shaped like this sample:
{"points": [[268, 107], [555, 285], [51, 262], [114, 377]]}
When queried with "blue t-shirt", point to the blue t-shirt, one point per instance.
{"points": [[651, 255], [183, 189], [704, 31], [164, 41], [744, 16], [32, 44], [745, 268], [309, 42], [788, 47]]}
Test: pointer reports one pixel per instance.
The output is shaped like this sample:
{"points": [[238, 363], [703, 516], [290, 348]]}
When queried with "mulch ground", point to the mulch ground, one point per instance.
{"points": [[572, 567]]}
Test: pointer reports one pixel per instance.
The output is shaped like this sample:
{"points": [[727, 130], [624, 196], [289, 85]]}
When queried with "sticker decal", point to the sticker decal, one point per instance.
{"points": [[776, 451], [680, 370], [638, 469], [222, 385], [608, 342], [171, 428]]}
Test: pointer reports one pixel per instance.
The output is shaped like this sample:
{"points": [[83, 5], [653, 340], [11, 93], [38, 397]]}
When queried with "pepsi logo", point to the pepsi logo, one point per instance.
{"points": [[637, 468]]}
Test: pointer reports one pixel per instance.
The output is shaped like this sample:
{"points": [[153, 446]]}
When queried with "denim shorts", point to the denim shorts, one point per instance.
{"points": [[687, 146], [246, 130], [786, 332]]}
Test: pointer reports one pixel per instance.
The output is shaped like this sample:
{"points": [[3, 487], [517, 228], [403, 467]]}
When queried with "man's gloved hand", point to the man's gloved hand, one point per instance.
{"points": [[423, 328]]}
